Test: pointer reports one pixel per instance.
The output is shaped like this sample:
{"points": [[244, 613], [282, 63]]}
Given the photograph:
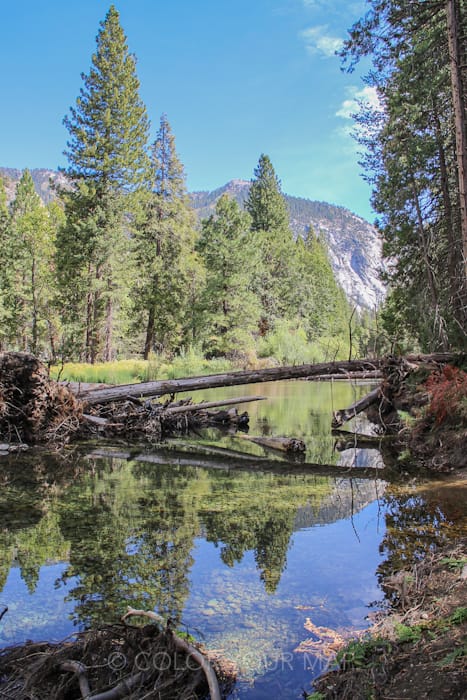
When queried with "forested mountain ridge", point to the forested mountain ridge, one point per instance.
{"points": [[353, 243], [43, 182]]}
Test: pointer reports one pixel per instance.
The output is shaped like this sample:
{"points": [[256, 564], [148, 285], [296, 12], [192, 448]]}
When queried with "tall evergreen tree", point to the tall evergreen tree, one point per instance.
{"points": [[164, 249], [414, 160], [107, 160], [27, 280], [4, 220], [323, 309], [270, 223], [229, 307]]}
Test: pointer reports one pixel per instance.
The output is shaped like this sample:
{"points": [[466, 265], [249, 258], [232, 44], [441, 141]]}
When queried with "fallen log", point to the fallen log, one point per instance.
{"points": [[371, 375], [283, 444], [210, 381], [342, 416], [211, 404], [271, 374]]}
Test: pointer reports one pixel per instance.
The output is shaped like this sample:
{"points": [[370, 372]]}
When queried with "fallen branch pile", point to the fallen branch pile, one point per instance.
{"points": [[155, 421]]}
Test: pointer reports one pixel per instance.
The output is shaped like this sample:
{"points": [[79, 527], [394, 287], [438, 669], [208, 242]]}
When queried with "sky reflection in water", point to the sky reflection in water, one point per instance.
{"points": [[242, 559]]}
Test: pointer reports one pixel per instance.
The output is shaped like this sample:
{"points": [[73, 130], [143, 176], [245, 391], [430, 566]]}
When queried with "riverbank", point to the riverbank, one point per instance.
{"points": [[418, 649]]}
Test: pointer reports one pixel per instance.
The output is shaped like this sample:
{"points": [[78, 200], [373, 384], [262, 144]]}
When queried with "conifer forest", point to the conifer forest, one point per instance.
{"points": [[118, 266]]}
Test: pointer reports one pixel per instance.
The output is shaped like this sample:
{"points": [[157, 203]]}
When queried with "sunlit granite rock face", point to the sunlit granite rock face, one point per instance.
{"points": [[354, 246]]}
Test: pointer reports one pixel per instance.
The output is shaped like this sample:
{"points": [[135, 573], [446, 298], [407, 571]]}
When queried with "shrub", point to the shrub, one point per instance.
{"points": [[448, 391]]}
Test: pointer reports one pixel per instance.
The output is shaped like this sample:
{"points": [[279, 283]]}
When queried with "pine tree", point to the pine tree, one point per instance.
{"points": [[323, 309], [107, 159], [229, 307], [164, 249], [270, 223], [27, 281], [416, 163], [4, 262]]}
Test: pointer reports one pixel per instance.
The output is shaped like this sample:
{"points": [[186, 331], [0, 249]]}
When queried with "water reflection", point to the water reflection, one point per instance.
{"points": [[241, 558], [421, 516], [127, 530]]}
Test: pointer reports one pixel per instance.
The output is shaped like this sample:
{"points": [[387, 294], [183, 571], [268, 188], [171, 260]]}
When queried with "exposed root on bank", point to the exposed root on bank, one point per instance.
{"points": [[116, 661], [32, 407]]}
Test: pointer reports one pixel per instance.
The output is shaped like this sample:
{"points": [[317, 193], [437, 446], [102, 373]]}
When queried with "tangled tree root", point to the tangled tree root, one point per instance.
{"points": [[33, 408], [36, 409], [113, 662]]}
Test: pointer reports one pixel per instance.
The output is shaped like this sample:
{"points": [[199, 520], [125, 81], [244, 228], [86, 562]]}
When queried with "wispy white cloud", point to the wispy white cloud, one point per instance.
{"points": [[318, 41], [351, 8], [366, 95]]}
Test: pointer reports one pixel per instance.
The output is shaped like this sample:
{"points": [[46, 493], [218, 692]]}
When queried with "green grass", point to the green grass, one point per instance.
{"points": [[408, 634], [134, 371], [359, 653], [454, 564]]}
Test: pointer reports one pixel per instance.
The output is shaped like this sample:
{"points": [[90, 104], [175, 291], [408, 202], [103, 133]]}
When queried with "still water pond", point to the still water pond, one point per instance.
{"points": [[240, 558]]}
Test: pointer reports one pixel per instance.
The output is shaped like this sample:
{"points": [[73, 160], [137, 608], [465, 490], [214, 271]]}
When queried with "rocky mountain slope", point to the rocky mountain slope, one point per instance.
{"points": [[43, 179], [353, 243]]}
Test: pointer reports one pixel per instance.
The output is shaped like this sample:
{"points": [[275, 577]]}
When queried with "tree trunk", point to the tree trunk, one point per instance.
{"points": [[149, 334], [108, 325], [89, 317], [453, 241], [458, 96]]}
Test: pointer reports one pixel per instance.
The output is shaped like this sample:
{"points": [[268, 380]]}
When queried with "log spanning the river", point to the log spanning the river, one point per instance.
{"points": [[271, 374], [211, 381]]}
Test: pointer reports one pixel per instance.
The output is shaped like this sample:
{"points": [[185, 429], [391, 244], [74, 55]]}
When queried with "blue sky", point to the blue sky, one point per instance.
{"points": [[236, 78]]}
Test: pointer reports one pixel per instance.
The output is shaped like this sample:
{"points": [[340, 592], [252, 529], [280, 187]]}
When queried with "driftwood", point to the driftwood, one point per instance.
{"points": [[346, 414], [277, 443]]}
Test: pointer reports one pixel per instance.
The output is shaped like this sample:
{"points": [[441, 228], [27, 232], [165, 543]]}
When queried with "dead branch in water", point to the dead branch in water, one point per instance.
{"points": [[282, 444], [346, 414]]}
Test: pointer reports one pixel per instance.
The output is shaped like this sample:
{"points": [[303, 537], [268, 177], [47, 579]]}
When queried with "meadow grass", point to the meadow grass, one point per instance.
{"points": [[134, 371], [281, 347]]}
